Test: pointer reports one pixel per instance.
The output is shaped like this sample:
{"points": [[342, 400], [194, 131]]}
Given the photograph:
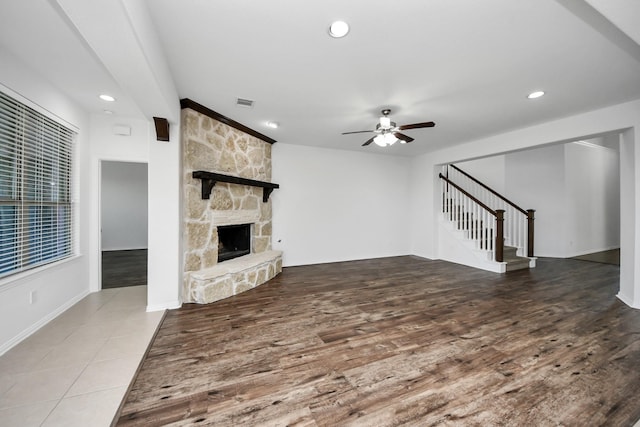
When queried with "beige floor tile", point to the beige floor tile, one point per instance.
{"points": [[24, 357], [135, 296], [26, 416], [105, 374], [7, 380], [113, 312], [39, 386], [82, 361], [94, 331], [77, 353], [50, 335], [152, 317], [123, 304], [93, 409], [79, 313], [133, 345], [145, 327], [102, 296], [140, 291]]}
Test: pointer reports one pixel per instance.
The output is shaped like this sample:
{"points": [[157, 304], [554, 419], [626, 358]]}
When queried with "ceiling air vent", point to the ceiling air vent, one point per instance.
{"points": [[247, 103]]}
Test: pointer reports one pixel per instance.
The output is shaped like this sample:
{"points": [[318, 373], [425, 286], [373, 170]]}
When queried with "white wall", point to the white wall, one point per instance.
{"points": [[593, 202], [124, 206], [489, 170], [163, 160], [574, 188], [165, 222], [105, 145], [133, 56], [630, 215], [58, 286], [535, 180], [336, 205]]}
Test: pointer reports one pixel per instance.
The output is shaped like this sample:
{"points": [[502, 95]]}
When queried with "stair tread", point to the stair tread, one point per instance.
{"points": [[516, 263], [515, 259]]}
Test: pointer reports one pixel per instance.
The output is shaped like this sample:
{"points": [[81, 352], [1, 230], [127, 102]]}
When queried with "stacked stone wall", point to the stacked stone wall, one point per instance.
{"points": [[213, 146]]}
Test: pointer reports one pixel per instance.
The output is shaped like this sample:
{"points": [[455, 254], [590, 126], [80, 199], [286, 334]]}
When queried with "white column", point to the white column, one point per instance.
{"points": [[630, 217], [165, 255]]}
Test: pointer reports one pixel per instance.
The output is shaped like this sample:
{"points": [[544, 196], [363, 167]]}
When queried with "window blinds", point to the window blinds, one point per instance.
{"points": [[36, 212]]}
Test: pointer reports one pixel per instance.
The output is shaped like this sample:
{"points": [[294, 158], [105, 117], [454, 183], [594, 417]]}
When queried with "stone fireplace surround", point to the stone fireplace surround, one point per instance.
{"points": [[214, 143]]}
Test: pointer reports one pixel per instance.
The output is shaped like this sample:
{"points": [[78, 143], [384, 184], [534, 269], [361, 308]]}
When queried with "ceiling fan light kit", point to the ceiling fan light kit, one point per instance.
{"points": [[385, 139], [388, 132]]}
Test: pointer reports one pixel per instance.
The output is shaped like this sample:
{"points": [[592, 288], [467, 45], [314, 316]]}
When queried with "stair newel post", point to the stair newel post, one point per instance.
{"points": [[445, 185], [530, 219], [499, 235]]}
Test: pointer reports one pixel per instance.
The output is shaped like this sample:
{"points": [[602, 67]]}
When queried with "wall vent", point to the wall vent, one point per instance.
{"points": [[247, 103]]}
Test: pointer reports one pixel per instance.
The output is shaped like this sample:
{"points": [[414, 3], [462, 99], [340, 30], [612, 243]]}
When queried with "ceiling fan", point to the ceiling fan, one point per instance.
{"points": [[387, 131]]}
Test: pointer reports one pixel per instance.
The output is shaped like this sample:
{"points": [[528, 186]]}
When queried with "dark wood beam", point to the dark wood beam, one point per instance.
{"points": [[162, 128], [209, 180], [188, 103]]}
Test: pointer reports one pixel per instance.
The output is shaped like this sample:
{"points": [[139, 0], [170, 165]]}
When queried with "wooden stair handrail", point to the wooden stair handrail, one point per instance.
{"points": [[460, 189], [529, 213], [498, 215], [486, 187]]}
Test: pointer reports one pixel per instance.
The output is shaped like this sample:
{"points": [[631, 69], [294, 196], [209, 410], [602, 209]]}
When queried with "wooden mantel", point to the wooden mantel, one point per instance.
{"points": [[209, 180]]}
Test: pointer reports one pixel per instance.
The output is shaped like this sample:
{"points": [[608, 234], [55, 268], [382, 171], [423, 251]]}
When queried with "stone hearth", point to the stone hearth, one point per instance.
{"points": [[234, 276], [212, 145]]}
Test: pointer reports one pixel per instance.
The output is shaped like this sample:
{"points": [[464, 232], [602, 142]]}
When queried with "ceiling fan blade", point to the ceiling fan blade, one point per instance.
{"points": [[369, 141], [417, 126], [402, 136], [358, 131]]}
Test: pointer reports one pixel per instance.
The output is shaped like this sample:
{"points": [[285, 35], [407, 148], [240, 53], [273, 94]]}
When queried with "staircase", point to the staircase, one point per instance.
{"points": [[515, 262], [481, 228]]}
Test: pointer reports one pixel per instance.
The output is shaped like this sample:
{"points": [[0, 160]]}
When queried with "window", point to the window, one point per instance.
{"points": [[36, 224]]}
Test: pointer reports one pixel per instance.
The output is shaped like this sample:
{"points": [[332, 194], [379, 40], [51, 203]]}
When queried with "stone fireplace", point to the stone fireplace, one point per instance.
{"points": [[218, 266]]}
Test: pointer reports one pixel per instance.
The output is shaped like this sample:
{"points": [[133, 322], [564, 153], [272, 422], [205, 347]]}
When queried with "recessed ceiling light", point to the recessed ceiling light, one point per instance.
{"points": [[273, 125], [107, 98], [536, 94], [338, 29]]}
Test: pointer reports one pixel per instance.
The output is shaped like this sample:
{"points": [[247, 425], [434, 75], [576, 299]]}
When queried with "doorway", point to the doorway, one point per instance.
{"points": [[123, 224]]}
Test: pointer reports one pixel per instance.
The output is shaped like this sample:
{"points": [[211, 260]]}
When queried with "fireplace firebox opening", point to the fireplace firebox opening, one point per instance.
{"points": [[233, 241]]}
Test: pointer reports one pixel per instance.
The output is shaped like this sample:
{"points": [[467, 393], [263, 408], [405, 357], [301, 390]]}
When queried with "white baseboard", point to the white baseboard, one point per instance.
{"points": [[591, 251], [40, 323], [626, 300], [171, 305]]}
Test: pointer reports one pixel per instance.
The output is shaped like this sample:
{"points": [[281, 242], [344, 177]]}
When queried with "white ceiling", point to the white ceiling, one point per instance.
{"points": [[467, 65]]}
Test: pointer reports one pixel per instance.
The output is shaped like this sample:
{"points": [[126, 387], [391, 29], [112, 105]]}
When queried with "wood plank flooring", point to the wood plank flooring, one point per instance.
{"points": [[608, 257], [399, 341], [124, 268]]}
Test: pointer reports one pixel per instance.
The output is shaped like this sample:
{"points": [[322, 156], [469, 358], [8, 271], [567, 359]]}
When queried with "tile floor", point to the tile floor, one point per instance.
{"points": [[75, 370]]}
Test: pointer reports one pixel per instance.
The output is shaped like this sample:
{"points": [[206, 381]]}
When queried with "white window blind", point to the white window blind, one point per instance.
{"points": [[36, 224]]}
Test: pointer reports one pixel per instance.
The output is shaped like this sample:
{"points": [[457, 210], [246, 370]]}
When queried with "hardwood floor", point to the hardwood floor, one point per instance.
{"points": [[608, 257], [124, 268], [400, 341]]}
